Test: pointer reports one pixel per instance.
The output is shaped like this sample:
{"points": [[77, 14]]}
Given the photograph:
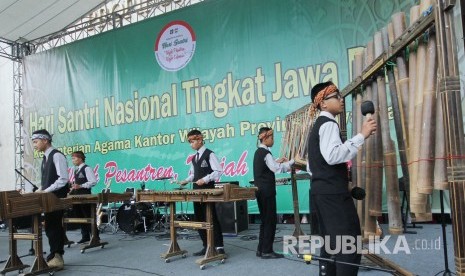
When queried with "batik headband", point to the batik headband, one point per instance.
{"points": [[195, 137], [319, 98], [265, 134], [41, 136]]}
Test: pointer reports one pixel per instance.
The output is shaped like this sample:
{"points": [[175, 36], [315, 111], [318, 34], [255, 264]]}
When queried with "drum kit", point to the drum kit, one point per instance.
{"points": [[137, 217]]}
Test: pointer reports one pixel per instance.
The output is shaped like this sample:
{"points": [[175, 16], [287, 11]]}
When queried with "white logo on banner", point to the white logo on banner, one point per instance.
{"points": [[175, 46]]}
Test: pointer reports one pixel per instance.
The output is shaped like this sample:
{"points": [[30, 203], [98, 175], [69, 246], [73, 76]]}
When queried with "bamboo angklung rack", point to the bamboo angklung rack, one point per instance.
{"points": [[434, 20], [439, 20]]}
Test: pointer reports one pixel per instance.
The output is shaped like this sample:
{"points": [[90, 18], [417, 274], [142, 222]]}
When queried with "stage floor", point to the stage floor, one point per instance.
{"points": [[140, 254]]}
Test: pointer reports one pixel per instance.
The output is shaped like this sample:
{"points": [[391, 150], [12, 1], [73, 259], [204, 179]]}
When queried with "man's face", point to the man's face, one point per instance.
{"points": [[269, 141], [334, 103], [76, 160], [40, 144], [196, 143]]}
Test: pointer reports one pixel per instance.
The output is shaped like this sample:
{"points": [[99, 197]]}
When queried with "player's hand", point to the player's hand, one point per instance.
{"points": [[368, 128], [200, 182], [282, 160]]}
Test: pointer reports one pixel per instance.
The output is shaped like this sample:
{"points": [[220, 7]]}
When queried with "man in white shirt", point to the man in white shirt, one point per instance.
{"points": [[264, 169], [330, 198], [54, 179], [204, 171]]}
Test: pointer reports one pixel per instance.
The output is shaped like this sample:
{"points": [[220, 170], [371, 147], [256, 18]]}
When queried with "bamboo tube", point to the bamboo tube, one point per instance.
{"points": [[417, 201], [358, 66], [397, 111], [412, 63], [398, 27], [449, 91], [426, 165], [451, 104], [412, 71], [356, 71], [440, 163], [375, 141], [390, 169], [369, 223]]}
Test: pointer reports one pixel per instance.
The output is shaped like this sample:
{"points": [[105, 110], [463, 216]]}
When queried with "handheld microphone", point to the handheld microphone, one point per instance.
{"points": [[368, 109]]}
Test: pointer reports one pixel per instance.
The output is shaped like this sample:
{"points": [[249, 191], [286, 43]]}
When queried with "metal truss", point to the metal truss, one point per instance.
{"points": [[16, 51], [18, 120], [113, 14]]}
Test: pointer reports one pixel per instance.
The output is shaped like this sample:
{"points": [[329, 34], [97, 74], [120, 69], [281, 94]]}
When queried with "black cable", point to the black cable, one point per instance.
{"points": [[285, 257], [248, 237], [120, 267]]}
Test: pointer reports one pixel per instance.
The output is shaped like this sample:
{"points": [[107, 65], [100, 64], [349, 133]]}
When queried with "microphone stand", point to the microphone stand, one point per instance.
{"points": [[34, 188], [447, 272], [308, 259]]}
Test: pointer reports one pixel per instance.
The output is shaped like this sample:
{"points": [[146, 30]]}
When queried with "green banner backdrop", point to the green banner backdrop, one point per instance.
{"points": [[128, 97]]}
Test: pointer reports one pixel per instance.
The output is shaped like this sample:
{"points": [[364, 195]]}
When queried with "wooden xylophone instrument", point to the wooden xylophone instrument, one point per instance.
{"points": [[93, 199], [228, 192], [225, 193], [14, 205]]}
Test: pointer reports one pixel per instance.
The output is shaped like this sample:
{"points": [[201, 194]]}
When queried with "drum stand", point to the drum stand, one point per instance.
{"points": [[111, 220], [182, 216], [160, 224]]}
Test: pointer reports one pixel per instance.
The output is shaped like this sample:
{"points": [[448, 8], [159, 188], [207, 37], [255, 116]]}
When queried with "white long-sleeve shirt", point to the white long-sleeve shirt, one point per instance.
{"points": [[275, 166], [331, 147], [214, 163]]}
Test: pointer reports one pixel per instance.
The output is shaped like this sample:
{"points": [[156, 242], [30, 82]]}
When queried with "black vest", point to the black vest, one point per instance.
{"points": [[50, 175], [263, 177], [81, 178], [326, 179], [201, 171]]}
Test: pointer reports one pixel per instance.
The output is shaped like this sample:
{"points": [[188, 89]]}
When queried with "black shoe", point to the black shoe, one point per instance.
{"points": [[201, 252], [272, 255], [220, 251], [258, 254], [83, 240]]}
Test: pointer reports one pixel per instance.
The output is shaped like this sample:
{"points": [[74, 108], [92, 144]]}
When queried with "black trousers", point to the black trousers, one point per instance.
{"points": [[55, 231], [83, 211], [200, 210], [268, 217], [337, 216]]}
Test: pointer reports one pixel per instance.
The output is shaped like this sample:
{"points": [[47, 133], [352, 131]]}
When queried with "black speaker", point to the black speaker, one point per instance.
{"points": [[233, 216]]}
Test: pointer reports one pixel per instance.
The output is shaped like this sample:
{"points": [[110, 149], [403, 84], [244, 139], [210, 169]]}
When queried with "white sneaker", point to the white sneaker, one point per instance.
{"points": [[56, 262]]}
